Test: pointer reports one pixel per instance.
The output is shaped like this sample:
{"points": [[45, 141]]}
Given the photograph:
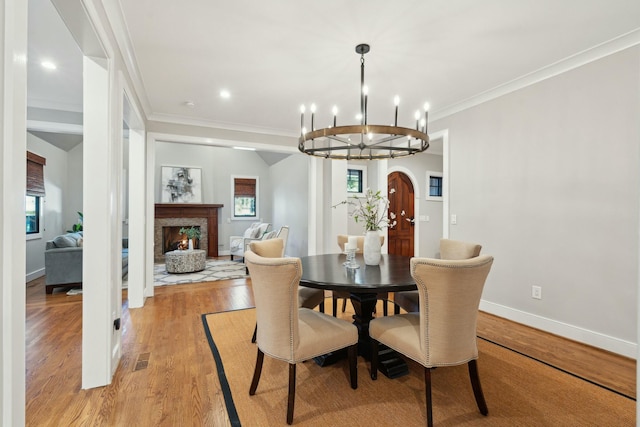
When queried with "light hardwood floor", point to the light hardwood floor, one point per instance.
{"points": [[166, 375]]}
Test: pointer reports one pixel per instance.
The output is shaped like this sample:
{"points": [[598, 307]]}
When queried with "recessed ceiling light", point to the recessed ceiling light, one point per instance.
{"points": [[48, 65], [189, 104], [225, 94], [245, 148]]}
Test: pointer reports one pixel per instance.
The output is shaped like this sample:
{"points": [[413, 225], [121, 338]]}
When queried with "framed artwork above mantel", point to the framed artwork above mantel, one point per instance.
{"points": [[181, 184]]}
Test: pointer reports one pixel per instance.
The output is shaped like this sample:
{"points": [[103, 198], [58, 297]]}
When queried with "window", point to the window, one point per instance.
{"points": [[34, 195], [434, 184], [32, 209], [245, 200], [356, 179]]}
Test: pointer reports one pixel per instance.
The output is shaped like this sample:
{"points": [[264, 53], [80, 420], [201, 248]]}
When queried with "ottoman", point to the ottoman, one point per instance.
{"points": [[185, 261]]}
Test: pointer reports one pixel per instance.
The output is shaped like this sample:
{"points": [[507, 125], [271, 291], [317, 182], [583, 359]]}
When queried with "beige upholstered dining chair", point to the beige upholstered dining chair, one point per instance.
{"points": [[274, 248], [443, 332], [449, 249], [384, 296], [290, 333]]}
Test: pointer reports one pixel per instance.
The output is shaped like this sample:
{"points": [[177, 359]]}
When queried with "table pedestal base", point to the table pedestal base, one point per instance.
{"points": [[390, 363]]}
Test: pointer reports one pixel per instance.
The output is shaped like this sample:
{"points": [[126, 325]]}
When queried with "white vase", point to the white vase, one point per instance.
{"points": [[372, 248], [190, 244]]}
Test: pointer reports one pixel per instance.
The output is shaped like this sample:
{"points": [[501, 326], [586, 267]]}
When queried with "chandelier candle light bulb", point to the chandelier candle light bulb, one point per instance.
{"points": [[362, 141], [396, 102], [426, 116], [313, 113]]}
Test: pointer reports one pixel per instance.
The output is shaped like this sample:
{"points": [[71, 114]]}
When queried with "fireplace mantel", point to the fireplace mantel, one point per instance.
{"points": [[194, 210]]}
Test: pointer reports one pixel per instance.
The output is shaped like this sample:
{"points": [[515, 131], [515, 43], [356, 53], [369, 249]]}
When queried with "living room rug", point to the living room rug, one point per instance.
{"points": [[215, 270], [519, 391]]}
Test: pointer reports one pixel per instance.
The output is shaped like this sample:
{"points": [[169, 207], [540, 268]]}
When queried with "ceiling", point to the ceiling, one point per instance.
{"points": [[274, 56]]}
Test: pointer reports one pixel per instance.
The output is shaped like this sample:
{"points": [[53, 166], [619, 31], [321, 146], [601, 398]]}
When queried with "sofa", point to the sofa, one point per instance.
{"points": [[63, 261]]}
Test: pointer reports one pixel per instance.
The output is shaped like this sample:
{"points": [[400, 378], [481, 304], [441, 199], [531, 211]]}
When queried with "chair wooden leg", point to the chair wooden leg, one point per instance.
{"points": [[292, 392], [477, 388], [374, 359], [255, 334], [334, 306], [256, 373], [385, 310], [427, 392], [353, 365], [322, 307], [396, 309], [344, 305]]}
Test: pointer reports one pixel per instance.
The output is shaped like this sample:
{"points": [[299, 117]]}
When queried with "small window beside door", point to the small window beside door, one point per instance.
{"points": [[356, 179], [434, 186]]}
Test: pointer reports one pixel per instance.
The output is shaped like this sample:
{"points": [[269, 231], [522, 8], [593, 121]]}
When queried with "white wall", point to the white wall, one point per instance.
{"points": [[547, 180], [289, 185], [55, 183], [73, 193]]}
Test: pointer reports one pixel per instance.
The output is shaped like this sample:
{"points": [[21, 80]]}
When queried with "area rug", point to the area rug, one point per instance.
{"points": [[519, 391], [215, 270]]}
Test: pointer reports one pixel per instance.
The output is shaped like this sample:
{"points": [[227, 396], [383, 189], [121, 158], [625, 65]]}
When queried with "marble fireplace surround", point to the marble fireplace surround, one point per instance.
{"points": [[158, 256], [186, 215]]}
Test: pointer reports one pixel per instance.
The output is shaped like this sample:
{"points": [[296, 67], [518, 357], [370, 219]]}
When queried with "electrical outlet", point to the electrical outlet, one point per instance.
{"points": [[536, 292], [454, 219]]}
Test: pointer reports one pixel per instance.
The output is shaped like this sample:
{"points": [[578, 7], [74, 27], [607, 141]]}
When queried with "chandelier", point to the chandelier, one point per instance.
{"points": [[364, 141]]}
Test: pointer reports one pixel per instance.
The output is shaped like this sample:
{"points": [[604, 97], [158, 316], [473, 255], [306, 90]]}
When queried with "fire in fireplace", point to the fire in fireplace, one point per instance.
{"points": [[172, 239]]}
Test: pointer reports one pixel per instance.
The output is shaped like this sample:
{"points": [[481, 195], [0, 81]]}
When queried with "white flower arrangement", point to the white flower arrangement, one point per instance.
{"points": [[371, 209]]}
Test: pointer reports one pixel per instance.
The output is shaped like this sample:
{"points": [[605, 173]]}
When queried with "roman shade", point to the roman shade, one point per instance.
{"points": [[244, 187], [35, 174]]}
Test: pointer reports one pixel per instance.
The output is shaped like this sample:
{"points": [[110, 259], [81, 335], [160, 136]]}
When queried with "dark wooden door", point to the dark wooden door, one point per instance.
{"points": [[401, 236]]}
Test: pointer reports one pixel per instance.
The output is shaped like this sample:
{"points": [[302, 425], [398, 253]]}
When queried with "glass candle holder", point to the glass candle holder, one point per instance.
{"points": [[351, 259]]}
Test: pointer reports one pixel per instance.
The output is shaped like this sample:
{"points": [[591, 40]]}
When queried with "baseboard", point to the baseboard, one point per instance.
{"points": [[223, 253], [596, 339], [35, 274]]}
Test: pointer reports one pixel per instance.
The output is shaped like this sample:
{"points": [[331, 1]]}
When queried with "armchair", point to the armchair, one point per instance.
{"points": [[287, 332], [238, 244], [449, 249], [443, 331]]}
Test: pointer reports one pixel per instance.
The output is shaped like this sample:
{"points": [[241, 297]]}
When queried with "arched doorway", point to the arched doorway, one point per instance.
{"points": [[401, 202]]}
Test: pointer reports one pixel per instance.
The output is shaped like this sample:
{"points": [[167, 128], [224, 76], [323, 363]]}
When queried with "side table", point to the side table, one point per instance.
{"points": [[185, 261]]}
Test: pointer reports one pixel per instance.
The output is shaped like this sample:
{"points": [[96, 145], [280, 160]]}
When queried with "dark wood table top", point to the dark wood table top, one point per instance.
{"points": [[328, 272]]}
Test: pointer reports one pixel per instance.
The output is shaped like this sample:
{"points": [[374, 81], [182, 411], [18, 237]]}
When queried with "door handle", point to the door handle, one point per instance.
{"points": [[411, 220]]}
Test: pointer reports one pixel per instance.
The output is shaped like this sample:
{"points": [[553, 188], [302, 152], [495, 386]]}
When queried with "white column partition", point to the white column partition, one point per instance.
{"points": [[13, 85], [97, 208]]}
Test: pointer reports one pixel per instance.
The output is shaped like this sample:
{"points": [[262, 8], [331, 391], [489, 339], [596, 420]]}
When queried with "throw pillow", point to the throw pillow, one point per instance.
{"points": [[64, 241], [249, 232], [80, 242], [262, 229], [270, 235]]}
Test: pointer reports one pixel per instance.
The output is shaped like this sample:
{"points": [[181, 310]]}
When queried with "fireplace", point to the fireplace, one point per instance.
{"points": [[173, 239], [177, 215]]}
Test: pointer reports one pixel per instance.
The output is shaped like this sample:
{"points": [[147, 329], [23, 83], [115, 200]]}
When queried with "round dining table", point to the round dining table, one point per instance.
{"points": [[393, 274]]}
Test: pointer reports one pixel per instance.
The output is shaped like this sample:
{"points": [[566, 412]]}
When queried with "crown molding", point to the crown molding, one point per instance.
{"points": [[579, 59]]}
